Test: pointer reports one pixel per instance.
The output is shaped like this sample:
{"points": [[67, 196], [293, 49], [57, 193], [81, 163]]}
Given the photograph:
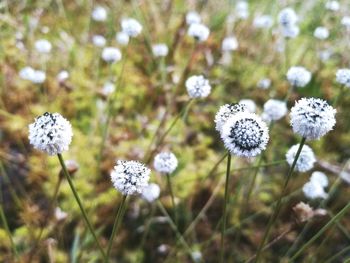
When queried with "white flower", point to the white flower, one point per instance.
{"points": [[225, 112], [165, 162], [242, 11], [312, 118], [131, 27], [229, 44], [62, 75], [343, 77], [50, 133], [249, 104], [314, 191], [59, 214], [319, 178], [43, 46], [345, 21], [287, 17], [321, 33], [306, 158], [199, 31], [325, 55], [99, 41], [192, 17], [290, 31], [298, 76], [264, 21], [122, 38], [196, 256], [160, 50], [130, 177], [198, 86], [111, 54], [245, 134], [27, 73], [332, 5], [275, 109], [99, 14], [264, 83], [151, 192], [108, 88]]}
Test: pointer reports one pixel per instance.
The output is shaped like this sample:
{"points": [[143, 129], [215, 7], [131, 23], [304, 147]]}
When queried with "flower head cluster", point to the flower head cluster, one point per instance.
{"points": [[264, 21], [111, 54], [43, 46], [99, 14], [275, 109], [50, 133], [160, 50], [197, 86], [225, 112], [312, 118], [192, 17], [229, 44], [288, 21], [99, 41], [321, 33], [245, 134], [306, 158], [199, 31], [35, 76], [130, 177], [298, 76], [165, 162], [151, 192], [249, 104], [131, 27], [343, 77], [315, 187]]}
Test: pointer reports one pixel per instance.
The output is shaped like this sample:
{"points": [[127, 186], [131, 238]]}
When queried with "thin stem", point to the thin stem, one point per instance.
{"points": [[223, 229], [77, 198], [8, 232], [252, 183], [338, 97], [279, 202], [341, 252], [171, 192], [116, 224], [148, 225]]}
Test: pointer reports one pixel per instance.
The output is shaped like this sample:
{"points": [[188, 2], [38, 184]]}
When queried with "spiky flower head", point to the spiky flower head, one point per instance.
{"points": [[306, 158], [298, 76], [197, 86], [130, 177], [313, 191], [199, 31], [111, 54], [245, 134], [343, 77], [50, 133], [165, 162], [312, 118], [275, 109], [225, 112], [131, 27], [151, 192]]}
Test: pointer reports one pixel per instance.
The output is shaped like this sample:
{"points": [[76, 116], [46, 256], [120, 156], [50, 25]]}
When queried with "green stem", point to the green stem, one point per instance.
{"points": [[341, 252], [279, 202], [77, 198], [338, 97], [118, 218], [223, 229], [171, 192], [8, 232], [148, 225]]}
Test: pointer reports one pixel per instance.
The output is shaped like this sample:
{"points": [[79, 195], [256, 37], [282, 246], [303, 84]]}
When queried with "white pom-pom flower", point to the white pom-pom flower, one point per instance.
{"points": [[99, 14], [130, 177], [62, 75], [99, 41], [131, 27], [160, 50], [332, 5], [50, 133], [298, 76], [242, 10], [345, 21], [314, 191], [122, 38], [275, 109], [192, 17], [306, 158], [321, 33], [249, 104], [290, 31], [312, 118], [111, 54], [245, 134], [343, 77], [165, 162], [319, 178], [229, 44], [197, 86], [43, 46], [264, 21], [108, 88], [264, 83], [225, 112], [198, 31], [151, 192], [26, 73], [287, 17]]}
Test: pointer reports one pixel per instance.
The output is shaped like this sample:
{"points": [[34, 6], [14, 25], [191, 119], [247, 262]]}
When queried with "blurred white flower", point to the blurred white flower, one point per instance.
{"points": [[111, 54], [108, 88], [160, 50], [298, 76], [122, 38], [264, 83], [229, 44], [345, 21], [325, 55], [99, 14], [313, 191], [43, 46], [319, 178], [249, 104], [198, 31], [62, 75], [263, 21], [287, 17], [131, 27], [192, 17], [291, 31], [196, 256], [306, 158], [332, 5], [98, 40], [275, 109], [59, 214], [165, 162], [197, 86], [225, 112], [38, 77], [343, 77], [321, 33], [242, 10], [151, 192], [27, 73]]}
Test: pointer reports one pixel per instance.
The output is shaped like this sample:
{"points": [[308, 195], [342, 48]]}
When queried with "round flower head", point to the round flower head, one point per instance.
{"points": [[197, 87], [165, 162], [290, 31], [98, 41], [99, 14], [192, 17], [264, 21], [151, 192], [26, 73], [199, 32], [312, 118], [343, 77], [130, 177], [43, 46], [306, 158], [160, 50], [319, 178], [287, 17], [314, 191], [131, 27], [122, 38], [275, 109], [50, 133], [298, 76], [229, 44], [111, 54], [62, 75], [264, 83], [332, 5], [242, 11], [108, 88], [245, 134], [225, 112], [345, 21], [321, 33], [249, 104]]}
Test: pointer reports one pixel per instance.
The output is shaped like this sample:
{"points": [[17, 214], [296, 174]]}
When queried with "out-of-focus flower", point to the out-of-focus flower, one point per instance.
{"points": [[332, 5], [111, 54], [298, 76], [165, 162], [325, 55], [151, 192], [264, 83], [264, 21], [275, 109], [160, 50], [287, 17], [131, 27], [197, 86], [343, 77], [306, 158], [198, 31], [62, 75], [98, 40], [43, 46], [242, 10], [108, 88], [99, 14], [122, 38], [304, 212], [345, 21], [249, 104], [290, 32], [59, 214], [319, 178], [321, 33], [229, 44], [313, 191], [192, 17], [196, 256], [225, 112]]}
